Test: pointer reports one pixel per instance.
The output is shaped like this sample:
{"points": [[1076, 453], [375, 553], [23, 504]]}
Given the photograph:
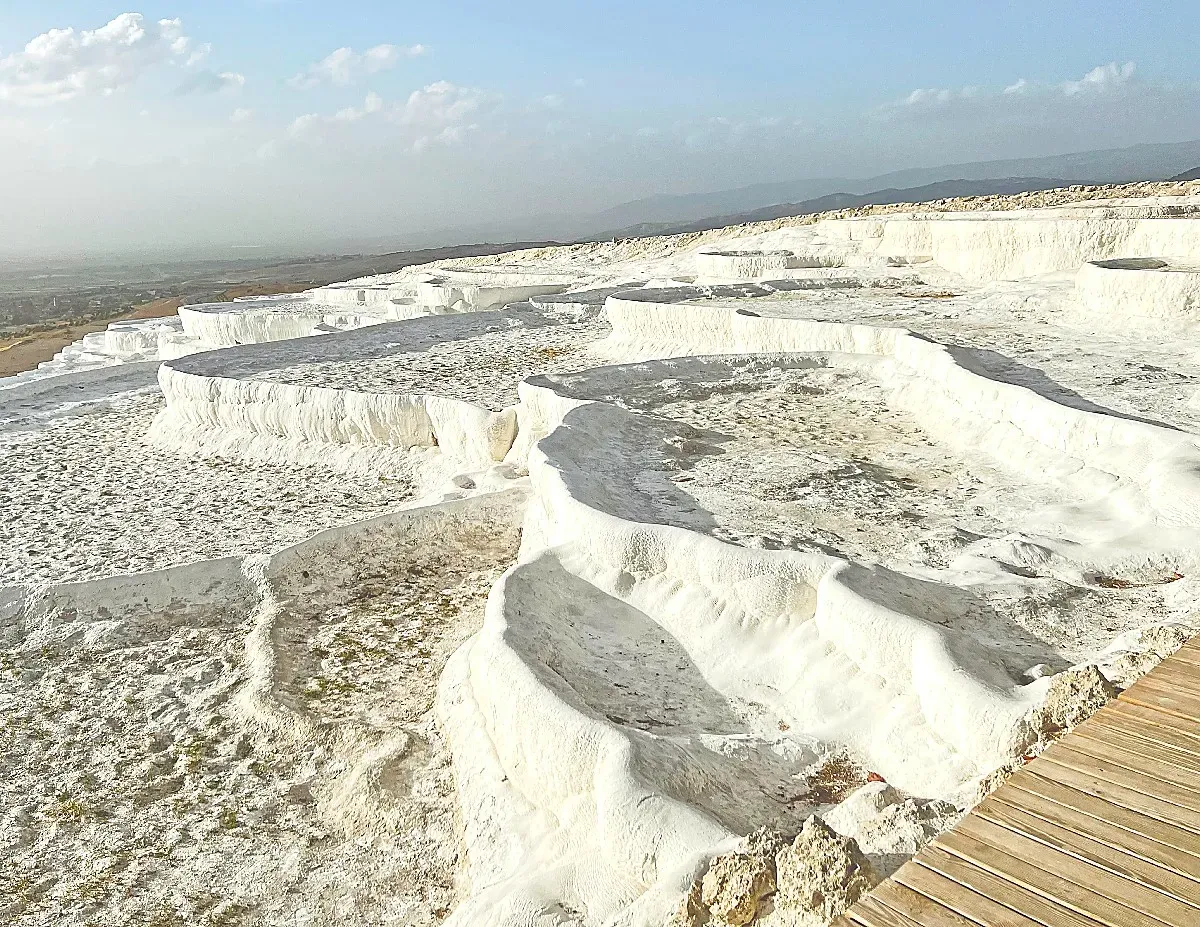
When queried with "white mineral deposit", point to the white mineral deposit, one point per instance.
{"points": [[516, 590]]}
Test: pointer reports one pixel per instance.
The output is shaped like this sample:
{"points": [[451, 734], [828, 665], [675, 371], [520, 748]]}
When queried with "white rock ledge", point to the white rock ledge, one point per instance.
{"points": [[214, 400], [556, 779], [251, 321], [1140, 288], [1013, 245], [641, 692]]}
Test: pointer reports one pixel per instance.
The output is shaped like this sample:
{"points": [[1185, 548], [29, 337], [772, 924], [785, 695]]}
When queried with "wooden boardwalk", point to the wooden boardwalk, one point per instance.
{"points": [[1101, 830]]}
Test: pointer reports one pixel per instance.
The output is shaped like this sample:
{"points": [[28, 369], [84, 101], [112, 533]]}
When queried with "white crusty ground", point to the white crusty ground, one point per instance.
{"points": [[135, 794], [815, 458], [83, 494], [1031, 333], [484, 370], [811, 456]]}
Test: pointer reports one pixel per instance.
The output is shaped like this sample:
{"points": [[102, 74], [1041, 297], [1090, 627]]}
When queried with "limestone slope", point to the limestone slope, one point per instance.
{"points": [[670, 541]]}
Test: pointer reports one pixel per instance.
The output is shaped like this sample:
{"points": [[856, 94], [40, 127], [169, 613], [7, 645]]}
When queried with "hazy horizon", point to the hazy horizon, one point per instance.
{"points": [[282, 125]]}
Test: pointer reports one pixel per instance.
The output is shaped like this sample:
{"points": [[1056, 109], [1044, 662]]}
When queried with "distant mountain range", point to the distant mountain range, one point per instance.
{"points": [[692, 211], [1193, 174], [1113, 165], [934, 191]]}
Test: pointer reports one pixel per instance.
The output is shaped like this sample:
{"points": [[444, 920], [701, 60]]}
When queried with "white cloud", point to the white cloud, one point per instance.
{"points": [[552, 101], [241, 115], [937, 96], [443, 113], [373, 104], [62, 64], [345, 65], [450, 135], [169, 29], [440, 113], [200, 54], [1101, 79], [441, 103], [212, 82], [303, 124], [385, 57]]}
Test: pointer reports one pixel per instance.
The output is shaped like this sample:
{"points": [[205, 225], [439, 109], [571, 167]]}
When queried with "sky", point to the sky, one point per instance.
{"points": [[190, 126]]}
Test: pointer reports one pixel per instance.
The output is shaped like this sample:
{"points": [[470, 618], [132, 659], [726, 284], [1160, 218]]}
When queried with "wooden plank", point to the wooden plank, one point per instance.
{"points": [[1188, 663], [1106, 733], [981, 894], [1155, 721], [1184, 654], [1052, 865], [1108, 832], [1132, 819], [1172, 674], [893, 905], [1143, 760], [1151, 715], [1184, 657], [1107, 781], [1176, 673], [1177, 679], [870, 913], [902, 899], [1102, 830], [1085, 847], [1114, 766], [1104, 791], [1179, 744], [1036, 869], [1155, 695], [919, 888]]}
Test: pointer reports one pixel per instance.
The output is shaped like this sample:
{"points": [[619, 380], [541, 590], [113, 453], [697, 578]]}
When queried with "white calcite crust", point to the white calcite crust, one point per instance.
{"points": [[1149, 289], [630, 550]]}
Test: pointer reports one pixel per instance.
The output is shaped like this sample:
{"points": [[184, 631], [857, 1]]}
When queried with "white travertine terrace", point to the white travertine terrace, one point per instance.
{"points": [[251, 321], [724, 266], [742, 265], [1008, 245], [850, 494], [456, 290], [1145, 288]]}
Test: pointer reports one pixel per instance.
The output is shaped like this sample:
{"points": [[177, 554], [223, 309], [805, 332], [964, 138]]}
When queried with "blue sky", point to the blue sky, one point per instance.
{"points": [[302, 120]]}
